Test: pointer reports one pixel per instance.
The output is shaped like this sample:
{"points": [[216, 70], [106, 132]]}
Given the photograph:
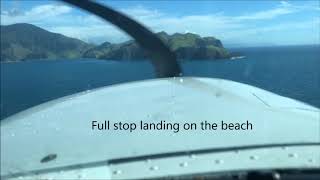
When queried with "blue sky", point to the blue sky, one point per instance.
{"points": [[235, 23]]}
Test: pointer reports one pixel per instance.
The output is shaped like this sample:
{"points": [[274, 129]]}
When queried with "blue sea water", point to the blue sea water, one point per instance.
{"points": [[291, 71]]}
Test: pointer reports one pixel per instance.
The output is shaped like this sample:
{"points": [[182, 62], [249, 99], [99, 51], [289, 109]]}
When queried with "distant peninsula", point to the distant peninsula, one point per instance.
{"points": [[20, 42]]}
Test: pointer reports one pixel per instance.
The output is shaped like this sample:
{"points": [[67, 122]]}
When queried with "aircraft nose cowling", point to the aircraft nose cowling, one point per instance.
{"points": [[62, 130]]}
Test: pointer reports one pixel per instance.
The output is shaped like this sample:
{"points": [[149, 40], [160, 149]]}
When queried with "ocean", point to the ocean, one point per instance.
{"points": [[291, 71]]}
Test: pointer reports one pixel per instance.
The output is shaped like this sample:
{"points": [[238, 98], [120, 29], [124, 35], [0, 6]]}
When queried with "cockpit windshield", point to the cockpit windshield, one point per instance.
{"points": [[59, 50], [156, 87]]}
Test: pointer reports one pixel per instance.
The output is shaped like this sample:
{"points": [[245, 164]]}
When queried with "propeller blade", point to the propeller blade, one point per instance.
{"points": [[162, 58]]}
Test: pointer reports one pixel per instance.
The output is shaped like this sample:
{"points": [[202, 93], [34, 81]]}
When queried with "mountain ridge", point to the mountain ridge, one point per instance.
{"points": [[24, 41]]}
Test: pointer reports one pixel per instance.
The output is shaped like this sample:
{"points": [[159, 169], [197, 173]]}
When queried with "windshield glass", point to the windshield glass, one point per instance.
{"points": [[271, 45], [249, 68]]}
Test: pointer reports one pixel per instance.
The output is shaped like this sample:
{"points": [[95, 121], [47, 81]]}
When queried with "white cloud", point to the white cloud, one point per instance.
{"points": [[94, 34], [285, 3], [267, 31], [36, 15], [269, 14], [49, 10], [141, 12], [283, 9]]}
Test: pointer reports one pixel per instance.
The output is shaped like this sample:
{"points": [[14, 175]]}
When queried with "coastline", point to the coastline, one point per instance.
{"points": [[236, 56]]}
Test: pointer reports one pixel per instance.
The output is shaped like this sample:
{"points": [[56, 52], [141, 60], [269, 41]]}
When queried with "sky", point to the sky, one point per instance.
{"points": [[235, 23]]}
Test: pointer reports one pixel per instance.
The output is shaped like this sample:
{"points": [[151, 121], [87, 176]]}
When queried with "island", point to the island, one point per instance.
{"points": [[20, 42]]}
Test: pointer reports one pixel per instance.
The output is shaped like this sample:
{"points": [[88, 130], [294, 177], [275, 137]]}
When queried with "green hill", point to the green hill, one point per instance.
{"points": [[187, 46], [26, 41]]}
